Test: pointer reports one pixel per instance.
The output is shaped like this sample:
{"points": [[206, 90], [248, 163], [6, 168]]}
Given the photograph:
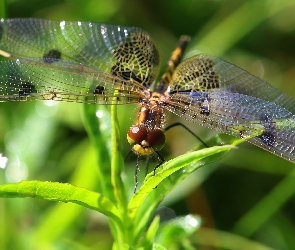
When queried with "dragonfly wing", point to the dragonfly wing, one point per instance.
{"points": [[219, 95], [281, 146], [263, 123], [33, 79], [127, 52], [204, 72]]}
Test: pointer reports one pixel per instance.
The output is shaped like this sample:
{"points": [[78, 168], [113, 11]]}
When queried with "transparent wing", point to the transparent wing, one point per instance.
{"points": [[223, 97], [126, 52], [208, 73], [33, 79]]}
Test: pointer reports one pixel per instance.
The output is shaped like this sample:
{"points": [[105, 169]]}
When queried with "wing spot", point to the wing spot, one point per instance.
{"points": [[136, 58], [268, 137], [26, 89], [99, 90], [52, 56], [197, 74]]}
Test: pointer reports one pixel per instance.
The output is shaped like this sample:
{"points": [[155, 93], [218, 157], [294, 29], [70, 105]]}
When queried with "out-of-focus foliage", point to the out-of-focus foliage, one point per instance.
{"points": [[249, 192]]}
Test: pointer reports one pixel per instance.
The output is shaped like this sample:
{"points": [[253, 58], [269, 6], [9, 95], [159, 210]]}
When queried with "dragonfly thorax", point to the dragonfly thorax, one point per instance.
{"points": [[147, 135]]}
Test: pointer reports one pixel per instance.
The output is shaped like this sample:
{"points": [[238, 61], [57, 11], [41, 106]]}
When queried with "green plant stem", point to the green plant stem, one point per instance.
{"points": [[99, 136], [117, 166]]}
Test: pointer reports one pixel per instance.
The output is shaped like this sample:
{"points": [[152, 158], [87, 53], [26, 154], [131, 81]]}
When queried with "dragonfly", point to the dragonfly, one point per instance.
{"points": [[100, 63]]}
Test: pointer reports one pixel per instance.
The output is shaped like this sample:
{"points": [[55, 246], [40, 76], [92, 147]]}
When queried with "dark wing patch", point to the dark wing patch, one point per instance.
{"points": [[32, 79], [52, 56], [26, 89], [74, 61], [92, 44], [263, 123], [136, 59], [269, 135], [197, 73], [99, 90]]}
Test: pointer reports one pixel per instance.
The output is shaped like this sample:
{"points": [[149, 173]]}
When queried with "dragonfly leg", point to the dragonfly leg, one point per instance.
{"points": [[147, 165], [160, 161], [187, 129], [136, 173]]}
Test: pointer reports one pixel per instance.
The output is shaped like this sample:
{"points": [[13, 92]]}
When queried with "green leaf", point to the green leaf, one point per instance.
{"points": [[157, 246], [100, 134], [62, 192], [176, 231], [225, 240], [156, 187], [166, 169], [50, 228], [153, 228]]}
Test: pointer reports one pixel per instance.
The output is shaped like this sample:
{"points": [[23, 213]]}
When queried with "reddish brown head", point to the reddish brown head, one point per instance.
{"points": [[145, 141]]}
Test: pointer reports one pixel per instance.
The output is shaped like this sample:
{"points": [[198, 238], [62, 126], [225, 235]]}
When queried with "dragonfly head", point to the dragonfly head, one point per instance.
{"points": [[145, 141]]}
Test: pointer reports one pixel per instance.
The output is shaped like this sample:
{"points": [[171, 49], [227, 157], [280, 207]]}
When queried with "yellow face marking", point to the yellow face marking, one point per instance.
{"points": [[143, 151]]}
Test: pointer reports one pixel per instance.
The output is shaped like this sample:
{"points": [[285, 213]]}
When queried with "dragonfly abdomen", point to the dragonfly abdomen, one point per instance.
{"points": [[175, 59]]}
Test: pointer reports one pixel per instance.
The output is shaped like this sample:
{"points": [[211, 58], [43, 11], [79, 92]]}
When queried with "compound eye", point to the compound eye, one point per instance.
{"points": [[136, 134], [156, 139]]}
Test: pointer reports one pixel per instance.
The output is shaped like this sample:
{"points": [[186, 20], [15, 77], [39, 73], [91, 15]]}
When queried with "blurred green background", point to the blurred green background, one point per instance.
{"points": [[249, 192]]}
